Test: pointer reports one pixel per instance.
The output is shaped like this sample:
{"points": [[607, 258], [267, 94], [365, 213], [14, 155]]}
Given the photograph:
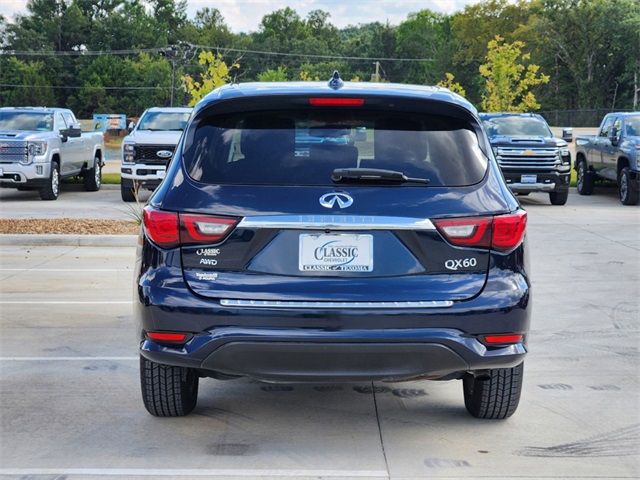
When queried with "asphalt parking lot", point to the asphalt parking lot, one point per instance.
{"points": [[71, 405]]}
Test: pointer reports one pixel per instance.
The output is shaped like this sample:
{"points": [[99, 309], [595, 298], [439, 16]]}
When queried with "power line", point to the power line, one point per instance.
{"points": [[77, 53], [86, 87]]}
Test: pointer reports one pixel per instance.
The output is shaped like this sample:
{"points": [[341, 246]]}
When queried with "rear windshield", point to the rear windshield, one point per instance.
{"points": [[304, 147]]}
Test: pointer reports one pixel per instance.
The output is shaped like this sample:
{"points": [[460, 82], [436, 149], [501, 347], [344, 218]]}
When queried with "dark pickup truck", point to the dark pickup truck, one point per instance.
{"points": [[530, 157], [613, 154]]}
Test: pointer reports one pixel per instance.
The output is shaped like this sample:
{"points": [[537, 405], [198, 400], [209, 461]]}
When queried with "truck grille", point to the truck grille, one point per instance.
{"points": [[149, 154], [13, 152], [528, 158]]}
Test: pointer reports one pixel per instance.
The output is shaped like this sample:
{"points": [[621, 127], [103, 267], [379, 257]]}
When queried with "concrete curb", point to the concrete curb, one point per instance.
{"points": [[69, 240]]}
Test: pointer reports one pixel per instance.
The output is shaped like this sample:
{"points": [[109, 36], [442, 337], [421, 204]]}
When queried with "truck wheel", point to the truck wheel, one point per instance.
{"points": [[93, 177], [128, 193], [585, 181], [559, 198], [628, 196], [495, 395], [52, 189], [168, 391]]}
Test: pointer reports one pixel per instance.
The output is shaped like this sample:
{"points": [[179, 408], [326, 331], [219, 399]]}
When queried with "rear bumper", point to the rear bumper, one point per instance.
{"points": [[315, 356], [545, 181], [279, 344]]}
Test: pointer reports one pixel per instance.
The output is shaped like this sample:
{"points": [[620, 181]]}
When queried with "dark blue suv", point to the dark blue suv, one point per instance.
{"points": [[396, 254]]}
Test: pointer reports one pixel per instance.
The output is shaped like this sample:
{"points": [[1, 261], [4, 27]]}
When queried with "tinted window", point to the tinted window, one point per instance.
{"points": [[517, 126], [633, 126], [303, 147]]}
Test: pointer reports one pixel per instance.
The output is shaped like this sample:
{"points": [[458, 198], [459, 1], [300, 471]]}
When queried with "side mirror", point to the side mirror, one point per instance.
{"points": [[63, 136], [131, 126], [613, 136], [74, 130], [567, 134]]}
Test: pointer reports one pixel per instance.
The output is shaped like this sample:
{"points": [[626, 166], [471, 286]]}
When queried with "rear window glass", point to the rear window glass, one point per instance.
{"points": [[304, 147]]}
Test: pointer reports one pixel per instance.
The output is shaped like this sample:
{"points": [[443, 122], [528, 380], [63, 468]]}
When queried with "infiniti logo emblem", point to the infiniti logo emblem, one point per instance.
{"points": [[328, 200], [164, 153]]}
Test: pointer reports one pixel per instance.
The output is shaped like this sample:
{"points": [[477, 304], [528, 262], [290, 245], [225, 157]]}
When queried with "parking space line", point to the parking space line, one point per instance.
{"points": [[224, 473], [92, 270], [30, 302], [65, 359]]}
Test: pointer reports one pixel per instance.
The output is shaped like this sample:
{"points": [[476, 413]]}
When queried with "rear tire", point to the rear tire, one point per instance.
{"points": [[52, 189], [168, 391], [494, 397], [93, 178], [628, 196], [584, 182], [559, 198]]}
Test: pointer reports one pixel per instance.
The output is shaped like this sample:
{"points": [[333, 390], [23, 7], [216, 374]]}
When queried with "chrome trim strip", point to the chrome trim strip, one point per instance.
{"points": [[320, 305], [336, 222]]}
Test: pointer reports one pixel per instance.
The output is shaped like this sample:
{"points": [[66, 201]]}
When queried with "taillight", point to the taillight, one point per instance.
{"points": [[161, 227], [500, 232], [508, 230], [200, 229], [466, 232], [171, 229]]}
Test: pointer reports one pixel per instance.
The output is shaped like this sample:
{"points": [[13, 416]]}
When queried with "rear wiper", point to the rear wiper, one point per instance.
{"points": [[373, 174]]}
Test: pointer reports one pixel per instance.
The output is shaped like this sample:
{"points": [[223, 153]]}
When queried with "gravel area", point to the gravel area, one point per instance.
{"points": [[68, 226]]}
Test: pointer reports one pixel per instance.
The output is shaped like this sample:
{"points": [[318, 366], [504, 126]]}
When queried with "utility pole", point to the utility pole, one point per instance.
{"points": [[181, 53], [376, 76]]}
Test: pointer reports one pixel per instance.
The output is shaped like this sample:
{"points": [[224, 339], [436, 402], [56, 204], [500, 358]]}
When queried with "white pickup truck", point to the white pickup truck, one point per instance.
{"points": [[39, 146], [149, 147]]}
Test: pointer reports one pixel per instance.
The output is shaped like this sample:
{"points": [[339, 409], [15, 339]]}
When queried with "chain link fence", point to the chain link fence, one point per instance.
{"points": [[577, 118]]}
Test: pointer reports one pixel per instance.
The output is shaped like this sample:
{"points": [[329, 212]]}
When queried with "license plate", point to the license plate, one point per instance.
{"points": [[336, 253], [528, 178], [161, 174]]}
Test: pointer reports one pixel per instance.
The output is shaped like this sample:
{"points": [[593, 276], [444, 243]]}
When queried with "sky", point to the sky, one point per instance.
{"points": [[245, 15]]}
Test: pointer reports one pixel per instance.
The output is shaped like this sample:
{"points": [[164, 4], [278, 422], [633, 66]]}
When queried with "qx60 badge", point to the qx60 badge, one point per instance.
{"points": [[328, 200]]}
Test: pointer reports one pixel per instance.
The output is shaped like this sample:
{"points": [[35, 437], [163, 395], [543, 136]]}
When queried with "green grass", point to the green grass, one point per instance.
{"points": [[111, 178]]}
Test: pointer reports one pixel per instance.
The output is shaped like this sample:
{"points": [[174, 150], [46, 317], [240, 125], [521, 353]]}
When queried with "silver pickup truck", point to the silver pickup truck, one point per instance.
{"points": [[613, 154], [39, 146]]}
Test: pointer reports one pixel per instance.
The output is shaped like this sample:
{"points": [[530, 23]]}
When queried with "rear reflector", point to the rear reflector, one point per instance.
{"points": [[502, 339], [171, 229], [336, 102], [501, 232], [167, 337]]}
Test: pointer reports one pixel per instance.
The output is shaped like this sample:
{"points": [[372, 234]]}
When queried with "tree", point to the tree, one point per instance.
{"points": [[508, 82], [425, 35], [592, 44], [23, 74], [451, 85], [279, 75], [216, 74]]}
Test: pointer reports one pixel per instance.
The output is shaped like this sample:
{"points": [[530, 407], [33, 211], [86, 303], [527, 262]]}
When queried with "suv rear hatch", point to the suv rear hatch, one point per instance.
{"points": [[394, 203]]}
